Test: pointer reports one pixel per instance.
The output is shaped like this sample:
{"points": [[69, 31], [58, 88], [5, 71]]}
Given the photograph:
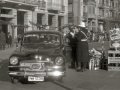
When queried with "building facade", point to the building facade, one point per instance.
{"points": [[97, 14], [18, 16]]}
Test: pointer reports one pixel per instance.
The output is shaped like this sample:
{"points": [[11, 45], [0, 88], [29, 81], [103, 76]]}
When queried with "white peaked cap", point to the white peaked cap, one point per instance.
{"points": [[82, 24]]}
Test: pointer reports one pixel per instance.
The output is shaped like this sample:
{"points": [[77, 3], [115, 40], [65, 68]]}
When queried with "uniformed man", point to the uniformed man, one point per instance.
{"points": [[82, 48]]}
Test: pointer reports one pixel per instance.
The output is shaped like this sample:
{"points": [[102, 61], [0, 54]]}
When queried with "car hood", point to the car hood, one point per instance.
{"points": [[41, 50]]}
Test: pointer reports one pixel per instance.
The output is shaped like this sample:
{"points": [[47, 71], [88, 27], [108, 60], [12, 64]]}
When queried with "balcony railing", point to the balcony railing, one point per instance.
{"points": [[70, 1], [100, 17], [7, 15], [53, 6], [85, 2], [111, 8], [85, 14], [34, 2], [41, 4], [70, 14], [101, 5], [93, 16]]}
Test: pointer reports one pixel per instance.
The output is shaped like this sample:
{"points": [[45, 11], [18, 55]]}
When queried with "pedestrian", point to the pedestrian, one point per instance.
{"points": [[19, 38], [9, 40], [2, 39], [82, 48], [72, 43]]}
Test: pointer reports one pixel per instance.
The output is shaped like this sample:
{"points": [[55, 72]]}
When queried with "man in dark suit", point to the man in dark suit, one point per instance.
{"points": [[73, 43], [9, 40]]}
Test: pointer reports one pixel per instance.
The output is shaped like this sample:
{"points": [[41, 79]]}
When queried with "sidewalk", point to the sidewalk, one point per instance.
{"points": [[4, 54]]}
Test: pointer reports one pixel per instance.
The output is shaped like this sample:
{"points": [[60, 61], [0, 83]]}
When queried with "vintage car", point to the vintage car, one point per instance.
{"points": [[40, 56]]}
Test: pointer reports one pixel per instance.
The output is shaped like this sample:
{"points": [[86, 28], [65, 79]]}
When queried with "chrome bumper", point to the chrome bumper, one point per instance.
{"points": [[36, 74], [48, 72]]}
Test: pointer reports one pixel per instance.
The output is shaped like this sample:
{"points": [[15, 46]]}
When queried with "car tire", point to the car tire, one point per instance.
{"points": [[14, 80]]}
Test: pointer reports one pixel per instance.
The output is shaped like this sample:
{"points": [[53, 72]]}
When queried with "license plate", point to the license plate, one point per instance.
{"points": [[30, 78]]}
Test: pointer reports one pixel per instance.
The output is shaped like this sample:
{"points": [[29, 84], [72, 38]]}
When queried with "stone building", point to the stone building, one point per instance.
{"points": [[23, 15], [97, 14]]}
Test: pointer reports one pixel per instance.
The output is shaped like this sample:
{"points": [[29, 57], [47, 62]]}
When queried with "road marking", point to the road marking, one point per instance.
{"points": [[112, 75]]}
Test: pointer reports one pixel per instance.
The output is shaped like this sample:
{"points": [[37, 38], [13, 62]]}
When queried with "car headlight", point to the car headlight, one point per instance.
{"points": [[14, 60], [59, 61]]}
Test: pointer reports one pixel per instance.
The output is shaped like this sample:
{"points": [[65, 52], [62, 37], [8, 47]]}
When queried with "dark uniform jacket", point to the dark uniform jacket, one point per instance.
{"points": [[82, 47]]}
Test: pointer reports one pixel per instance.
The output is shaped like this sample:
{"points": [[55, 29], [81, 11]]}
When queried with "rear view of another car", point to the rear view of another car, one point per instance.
{"points": [[39, 57]]}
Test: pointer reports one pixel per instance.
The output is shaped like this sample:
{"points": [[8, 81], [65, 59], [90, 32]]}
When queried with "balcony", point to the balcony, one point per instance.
{"points": [[19, 4], [41, 4], [30, 2], [110, 18], [53, 6], [62, 8], [85, 15], [91, 16], [100, 17], [70, 1], [6, 16], [111, 8], [70, 14], [101, 5], [85, 2]]}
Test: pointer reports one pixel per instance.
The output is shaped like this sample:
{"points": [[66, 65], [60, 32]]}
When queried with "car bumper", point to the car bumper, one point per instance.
{"points": [[51, 72]]}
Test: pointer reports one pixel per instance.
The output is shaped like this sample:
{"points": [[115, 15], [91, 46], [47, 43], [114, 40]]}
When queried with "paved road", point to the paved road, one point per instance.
{"points": [[88, 80]]}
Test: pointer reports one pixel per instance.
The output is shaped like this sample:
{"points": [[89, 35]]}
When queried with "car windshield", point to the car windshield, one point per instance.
{"points": [[51, 39]]}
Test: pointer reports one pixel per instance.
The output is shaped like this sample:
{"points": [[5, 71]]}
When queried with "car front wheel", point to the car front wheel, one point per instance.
{"points": [[59, 79], [14, 80]]}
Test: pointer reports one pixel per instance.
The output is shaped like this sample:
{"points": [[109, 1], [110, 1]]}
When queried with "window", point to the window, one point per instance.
{"points": [[91, 9], [101, 12]]}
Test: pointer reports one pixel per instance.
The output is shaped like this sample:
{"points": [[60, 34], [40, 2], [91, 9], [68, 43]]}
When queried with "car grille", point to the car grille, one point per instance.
{"points": [[33, 66]]}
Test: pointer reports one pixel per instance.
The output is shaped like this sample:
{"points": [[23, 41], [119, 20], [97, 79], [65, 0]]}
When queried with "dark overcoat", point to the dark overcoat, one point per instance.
{"points": [[2, 38], [9, 39], [82, 47]]}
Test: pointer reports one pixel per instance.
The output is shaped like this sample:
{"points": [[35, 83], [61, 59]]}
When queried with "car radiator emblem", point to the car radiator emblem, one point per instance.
{"points": [[35, 66]]}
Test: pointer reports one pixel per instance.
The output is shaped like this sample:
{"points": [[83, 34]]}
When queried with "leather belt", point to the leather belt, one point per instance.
{"points": [[83, 39]]}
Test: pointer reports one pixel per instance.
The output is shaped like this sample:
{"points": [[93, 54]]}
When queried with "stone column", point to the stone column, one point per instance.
{"points": [[12, 30], [27, 18], [14, 21], [34, 19], [55, 21], [45, 19]]}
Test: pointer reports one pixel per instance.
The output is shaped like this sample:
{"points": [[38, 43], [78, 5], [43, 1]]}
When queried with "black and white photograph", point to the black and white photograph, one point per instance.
{"points": [[59, 44]]}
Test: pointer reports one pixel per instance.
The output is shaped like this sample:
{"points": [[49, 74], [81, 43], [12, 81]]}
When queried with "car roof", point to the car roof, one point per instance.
{"points": [[44, 31]]}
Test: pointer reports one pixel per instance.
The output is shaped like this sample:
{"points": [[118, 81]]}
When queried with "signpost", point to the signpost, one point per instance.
{"points": [[114, 52]]}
